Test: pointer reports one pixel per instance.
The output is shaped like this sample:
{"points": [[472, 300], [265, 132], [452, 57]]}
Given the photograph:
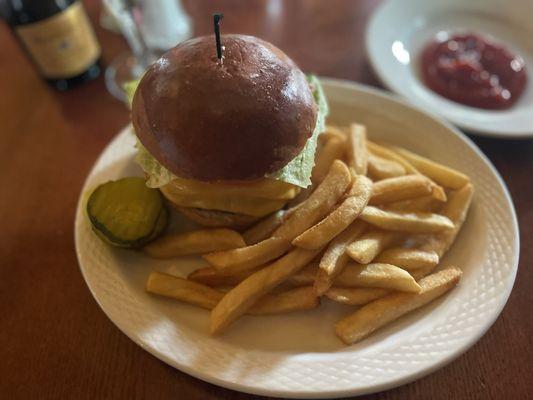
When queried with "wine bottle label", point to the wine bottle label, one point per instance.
{"points": [[63, 45]]}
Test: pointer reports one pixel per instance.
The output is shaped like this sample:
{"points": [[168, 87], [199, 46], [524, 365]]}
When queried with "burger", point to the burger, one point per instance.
{"points": [[227, 141]]}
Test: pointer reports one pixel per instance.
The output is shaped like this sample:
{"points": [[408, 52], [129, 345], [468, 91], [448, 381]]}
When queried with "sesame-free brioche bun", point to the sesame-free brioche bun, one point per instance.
{"points": [[232, 121]]}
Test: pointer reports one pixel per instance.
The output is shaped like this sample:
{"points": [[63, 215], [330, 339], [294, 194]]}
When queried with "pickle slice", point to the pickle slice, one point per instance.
{"points": [[126, 213]]}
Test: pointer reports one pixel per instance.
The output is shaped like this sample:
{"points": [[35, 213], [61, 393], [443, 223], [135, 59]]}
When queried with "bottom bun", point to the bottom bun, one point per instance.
{"points": [[217, 219]]}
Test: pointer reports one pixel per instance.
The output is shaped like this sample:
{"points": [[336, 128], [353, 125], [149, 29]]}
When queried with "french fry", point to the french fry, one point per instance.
{"points": [[420, 204], [194, 242], [456, 210], [400, 188], [246, 258], [441, 174], [384, 276], [332, 150], [303, 298], [336, 222], [335, 257], [367, 247], [332, 132], [355, 296], [381, 312], [242, 297], [380, 168], [312, 210], [354, 275], [406, 222], [297, 299], [459, 203], [357, 150], [408, 259], [319, 204], [420, 273], [212, 277], [264, 228], [288, 212], [305, 276], [184, 290], [361, 186], [439, 193], [382, 151], [356, 190], [321, 233]]}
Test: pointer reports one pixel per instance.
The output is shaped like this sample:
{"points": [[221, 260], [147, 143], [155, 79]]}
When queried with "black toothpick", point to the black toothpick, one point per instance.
{"points": [[216, 20]]}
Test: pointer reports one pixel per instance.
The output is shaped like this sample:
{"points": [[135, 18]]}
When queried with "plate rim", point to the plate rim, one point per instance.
{"points": [[410, 377], [388, 82]]}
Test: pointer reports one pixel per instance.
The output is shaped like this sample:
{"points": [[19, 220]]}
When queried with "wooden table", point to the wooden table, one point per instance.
{"points": [[55, 342]]}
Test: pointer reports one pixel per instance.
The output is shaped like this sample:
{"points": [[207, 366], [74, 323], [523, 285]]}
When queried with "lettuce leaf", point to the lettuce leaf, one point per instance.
{"points": [[296, 172], [130, 88], [157, 174]]}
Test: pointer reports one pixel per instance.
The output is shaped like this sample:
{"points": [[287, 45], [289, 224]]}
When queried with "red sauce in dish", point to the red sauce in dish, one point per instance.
{"points": [[475, 71]]}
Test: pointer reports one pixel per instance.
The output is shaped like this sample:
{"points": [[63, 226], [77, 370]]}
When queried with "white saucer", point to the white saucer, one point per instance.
{"points": [[399, 29]]}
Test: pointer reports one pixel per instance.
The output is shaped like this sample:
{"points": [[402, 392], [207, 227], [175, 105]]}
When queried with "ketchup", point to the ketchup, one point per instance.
{"points": [[475, 71]]}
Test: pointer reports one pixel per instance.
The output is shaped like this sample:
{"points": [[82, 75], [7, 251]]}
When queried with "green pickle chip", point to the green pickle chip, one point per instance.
{"points": [[126, 212]]}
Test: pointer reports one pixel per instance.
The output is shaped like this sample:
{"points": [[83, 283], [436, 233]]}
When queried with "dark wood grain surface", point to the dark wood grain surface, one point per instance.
{"points": [[56, 343]]}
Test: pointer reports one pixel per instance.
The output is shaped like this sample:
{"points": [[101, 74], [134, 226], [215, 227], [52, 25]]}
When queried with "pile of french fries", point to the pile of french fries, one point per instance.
{"points": [[369, 232]]}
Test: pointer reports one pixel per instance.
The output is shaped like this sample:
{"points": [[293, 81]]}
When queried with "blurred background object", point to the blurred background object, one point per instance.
{"points": [[164, 23], [150, 27], [58, 38], [486, 61]]}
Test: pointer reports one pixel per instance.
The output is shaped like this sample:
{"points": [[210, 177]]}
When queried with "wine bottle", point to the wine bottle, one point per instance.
{"points": [[58, 37]]}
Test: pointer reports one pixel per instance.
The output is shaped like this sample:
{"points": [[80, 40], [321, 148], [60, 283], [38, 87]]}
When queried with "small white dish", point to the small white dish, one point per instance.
{"points": [[298, 355], [399, 29]]}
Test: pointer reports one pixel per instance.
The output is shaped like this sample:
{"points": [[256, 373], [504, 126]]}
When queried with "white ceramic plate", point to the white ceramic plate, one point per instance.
{"points": [[298, 355], [399, 29]]}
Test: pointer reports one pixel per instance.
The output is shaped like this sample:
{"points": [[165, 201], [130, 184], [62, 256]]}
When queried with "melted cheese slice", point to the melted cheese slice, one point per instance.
{"points": [[256, 199], [262, 188]]}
